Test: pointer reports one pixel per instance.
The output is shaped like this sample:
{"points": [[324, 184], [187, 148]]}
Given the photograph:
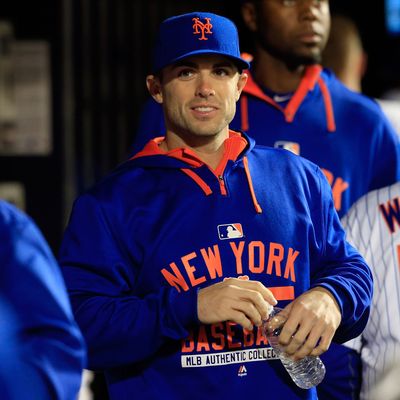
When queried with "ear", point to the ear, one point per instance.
{"points": [[241, 84], [363, 64], [249, 15], [154, 87]]}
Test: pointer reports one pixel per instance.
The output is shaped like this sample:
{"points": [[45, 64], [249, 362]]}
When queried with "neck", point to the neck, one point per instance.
{"points": [[274, 74], [209, 149]]}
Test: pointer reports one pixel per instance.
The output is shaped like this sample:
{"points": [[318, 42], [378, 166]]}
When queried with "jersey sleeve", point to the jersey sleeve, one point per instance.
{"points": [[46, 346], [151, 124], [119, 326], [343, 271]]}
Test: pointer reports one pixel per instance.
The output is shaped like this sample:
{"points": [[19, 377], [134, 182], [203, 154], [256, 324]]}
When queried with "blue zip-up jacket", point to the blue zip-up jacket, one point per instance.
{"points": [[345, 133], [41, 348], [142, 242]]}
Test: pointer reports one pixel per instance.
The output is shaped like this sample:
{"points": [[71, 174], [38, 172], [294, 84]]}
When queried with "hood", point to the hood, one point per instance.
{"points": [[236, 148]]}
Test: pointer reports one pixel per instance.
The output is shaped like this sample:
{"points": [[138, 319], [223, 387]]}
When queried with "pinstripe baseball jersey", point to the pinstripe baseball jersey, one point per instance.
{"points": [[373, 226]]}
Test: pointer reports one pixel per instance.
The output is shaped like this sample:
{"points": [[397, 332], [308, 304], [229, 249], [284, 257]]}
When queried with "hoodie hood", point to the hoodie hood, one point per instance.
{"points": [[236, 148]]}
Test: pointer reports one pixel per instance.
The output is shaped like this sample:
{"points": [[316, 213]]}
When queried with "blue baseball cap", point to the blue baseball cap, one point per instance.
{"points": [[196, 33]]}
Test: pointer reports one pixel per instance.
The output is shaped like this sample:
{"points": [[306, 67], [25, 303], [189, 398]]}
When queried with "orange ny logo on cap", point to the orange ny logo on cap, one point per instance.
{"points": [[201, 27]]}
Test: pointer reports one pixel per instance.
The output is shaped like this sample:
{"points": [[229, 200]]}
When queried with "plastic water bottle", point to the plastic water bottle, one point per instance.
{"points": [[305, 373]]}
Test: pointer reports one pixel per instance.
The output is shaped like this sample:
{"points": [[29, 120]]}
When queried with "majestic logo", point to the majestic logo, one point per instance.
{"points": [[291, 146], [230, 231], [202, 28], [242, 371]]}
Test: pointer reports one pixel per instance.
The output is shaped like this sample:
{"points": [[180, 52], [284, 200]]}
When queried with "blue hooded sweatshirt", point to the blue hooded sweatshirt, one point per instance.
{"points": [[142, 242]]}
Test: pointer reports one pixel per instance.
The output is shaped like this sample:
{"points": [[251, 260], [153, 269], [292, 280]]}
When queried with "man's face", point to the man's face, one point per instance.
{"points": [[199, 95], [295, 31]]}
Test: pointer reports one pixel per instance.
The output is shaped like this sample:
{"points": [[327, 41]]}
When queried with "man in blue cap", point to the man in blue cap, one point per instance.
{"points": [[174, 260], [291, 102]]}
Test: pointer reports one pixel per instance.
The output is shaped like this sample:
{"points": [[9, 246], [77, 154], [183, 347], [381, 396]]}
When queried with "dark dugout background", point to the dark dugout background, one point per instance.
{"points": [[100, 54]]}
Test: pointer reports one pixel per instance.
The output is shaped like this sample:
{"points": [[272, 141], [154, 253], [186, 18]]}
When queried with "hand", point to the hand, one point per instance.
{"points": [[237, 300], [312, 320]]}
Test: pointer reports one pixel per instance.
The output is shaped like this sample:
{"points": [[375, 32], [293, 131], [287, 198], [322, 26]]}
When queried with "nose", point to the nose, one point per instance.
{"points": [[204, 87], [309, 9]]}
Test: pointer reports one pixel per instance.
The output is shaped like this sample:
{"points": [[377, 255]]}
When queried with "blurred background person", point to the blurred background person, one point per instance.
{"points": [[41, 348], [344, 54]]}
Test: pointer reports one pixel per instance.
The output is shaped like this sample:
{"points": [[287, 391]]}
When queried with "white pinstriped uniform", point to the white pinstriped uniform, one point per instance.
{"points": [[369, 232]]}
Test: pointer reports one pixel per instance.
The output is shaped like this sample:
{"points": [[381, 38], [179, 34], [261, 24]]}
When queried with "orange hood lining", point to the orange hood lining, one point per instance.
{"points": [[234, 145]]}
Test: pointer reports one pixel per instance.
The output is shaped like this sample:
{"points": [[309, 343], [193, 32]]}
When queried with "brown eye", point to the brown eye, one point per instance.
{"points": [[185, 73]]}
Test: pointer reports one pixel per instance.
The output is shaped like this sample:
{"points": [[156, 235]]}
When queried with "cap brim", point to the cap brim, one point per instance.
{"points": [[239, 62]]}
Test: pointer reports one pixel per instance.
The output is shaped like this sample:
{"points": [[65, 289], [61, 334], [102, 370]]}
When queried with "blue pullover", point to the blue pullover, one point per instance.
{"points": [[142, 242]]}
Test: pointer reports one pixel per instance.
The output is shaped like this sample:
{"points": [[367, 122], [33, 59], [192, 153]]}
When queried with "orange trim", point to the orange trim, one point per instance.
{"points": [[253, 89], [253, 195], [244, 113], [152, 148], [282, 292], [233, 146], [307, 83], [310, 78], [330, 116], [206, 189]]}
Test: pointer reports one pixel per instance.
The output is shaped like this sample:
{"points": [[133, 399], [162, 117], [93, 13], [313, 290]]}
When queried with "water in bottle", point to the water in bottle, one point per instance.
{"points": [[305, 373]]}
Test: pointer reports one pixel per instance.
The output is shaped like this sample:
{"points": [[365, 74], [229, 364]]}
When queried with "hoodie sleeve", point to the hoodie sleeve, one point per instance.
{"points": [[44, 352], [344, 272], [119, 326]]}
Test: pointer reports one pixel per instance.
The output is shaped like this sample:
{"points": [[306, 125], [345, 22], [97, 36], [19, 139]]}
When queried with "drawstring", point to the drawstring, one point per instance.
{"points": [[253, 195], [330, 117]]}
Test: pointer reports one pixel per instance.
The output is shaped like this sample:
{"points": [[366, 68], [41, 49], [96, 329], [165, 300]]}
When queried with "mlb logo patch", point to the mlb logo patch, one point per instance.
{"points": [[291, 146], [230, 231]]}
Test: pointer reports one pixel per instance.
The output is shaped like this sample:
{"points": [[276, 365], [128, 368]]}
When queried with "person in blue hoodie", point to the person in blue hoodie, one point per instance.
{"points": [[290, 101], [41, 348], [173, 261]]}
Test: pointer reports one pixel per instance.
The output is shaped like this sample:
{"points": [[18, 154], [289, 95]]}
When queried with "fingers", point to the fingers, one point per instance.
{"points": [[238, 300], [252, 285], [310, 326]]}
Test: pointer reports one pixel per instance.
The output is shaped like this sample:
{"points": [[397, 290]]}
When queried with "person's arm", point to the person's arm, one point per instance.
{"points": [[337, 305], [48, 349], [122, 327]]}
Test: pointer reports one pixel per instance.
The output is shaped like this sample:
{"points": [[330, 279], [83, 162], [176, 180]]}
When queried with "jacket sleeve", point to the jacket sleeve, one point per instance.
{"points": [[342, 271], [47, 352], [120, 327]]}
